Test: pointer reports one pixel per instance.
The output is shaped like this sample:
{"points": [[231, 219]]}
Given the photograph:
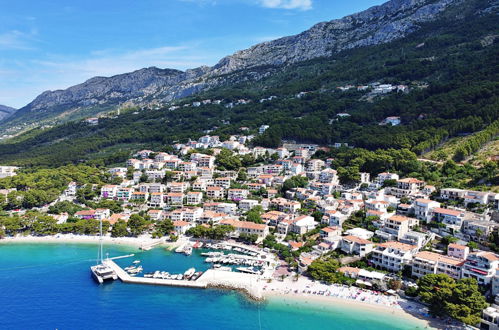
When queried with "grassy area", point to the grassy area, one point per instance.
{"points": [[446, 151], [485, 153]]}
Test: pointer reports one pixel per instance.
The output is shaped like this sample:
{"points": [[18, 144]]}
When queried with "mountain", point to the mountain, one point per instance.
{"points": [[449, 66], [377, 25], [6, 111]]}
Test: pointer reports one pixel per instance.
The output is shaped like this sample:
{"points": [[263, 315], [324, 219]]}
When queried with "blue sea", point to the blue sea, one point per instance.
{"points": [[49, 286]]}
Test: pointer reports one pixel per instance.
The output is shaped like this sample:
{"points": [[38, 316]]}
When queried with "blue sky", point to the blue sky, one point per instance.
{"points": [[53, 44]]}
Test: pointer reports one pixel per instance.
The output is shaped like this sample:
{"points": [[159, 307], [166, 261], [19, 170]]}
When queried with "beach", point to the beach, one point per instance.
{"points": [[304, 290], [83, 239], [294, 292]]}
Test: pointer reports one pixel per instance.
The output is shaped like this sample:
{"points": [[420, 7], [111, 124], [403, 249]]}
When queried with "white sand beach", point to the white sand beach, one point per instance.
{"points": [[307, 291], [82, 239]]}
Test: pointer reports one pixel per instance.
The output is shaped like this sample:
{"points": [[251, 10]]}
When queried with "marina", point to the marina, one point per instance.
{"points": [[212, 278]]}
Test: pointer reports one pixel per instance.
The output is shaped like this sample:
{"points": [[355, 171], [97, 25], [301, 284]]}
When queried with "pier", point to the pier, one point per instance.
{"points": [[147, 247], [247, 283], [126, 278]]}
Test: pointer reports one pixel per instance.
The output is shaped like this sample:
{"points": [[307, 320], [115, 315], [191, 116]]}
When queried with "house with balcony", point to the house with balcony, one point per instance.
{"points": [[124, 194], [452, 219], [247, 227], [396, 227], [247, 204], [273, 218], [108, 191], [392, 256], [139, 196], [458, 251], [481, 266], [426, 262], [356, 245], [407, 187], [423, 209], [330, 232], [157, 200], [215, 192], [175, 199], [237, 194], [194, 197]]}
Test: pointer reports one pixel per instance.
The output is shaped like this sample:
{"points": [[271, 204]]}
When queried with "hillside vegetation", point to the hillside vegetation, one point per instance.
{"points": [[452, 73]]}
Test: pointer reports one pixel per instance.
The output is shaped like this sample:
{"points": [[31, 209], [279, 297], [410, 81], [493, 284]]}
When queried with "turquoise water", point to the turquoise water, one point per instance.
{"points": [[48, 286]]}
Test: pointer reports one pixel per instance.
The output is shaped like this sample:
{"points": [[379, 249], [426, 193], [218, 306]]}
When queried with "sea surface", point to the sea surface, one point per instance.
{"points": [[49, 286]]}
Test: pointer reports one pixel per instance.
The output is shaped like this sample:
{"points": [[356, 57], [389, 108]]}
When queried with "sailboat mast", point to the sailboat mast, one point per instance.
{"points": [[100, 241]]}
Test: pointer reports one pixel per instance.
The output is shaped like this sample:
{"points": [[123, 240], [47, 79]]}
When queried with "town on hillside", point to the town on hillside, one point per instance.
{"points": [[382, 232]]}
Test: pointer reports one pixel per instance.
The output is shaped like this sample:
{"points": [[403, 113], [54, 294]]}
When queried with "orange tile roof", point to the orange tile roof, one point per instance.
{"points": [[457, 246], [398, 246], [356, 239], [347, 269], [432, 256], [399, 218], [447, 211], [180, 223]]}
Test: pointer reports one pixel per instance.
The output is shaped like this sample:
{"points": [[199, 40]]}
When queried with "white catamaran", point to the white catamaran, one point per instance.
{"points": [[101, 271]]}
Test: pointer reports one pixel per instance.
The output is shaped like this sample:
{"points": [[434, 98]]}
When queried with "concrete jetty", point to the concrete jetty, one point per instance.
{"points": [[149, 246], [126, 278], [212, 278]]}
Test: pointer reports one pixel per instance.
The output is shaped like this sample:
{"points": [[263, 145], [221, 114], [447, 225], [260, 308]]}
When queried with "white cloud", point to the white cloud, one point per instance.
{"points": [[282, 4], [16, 40], [287, 4]]}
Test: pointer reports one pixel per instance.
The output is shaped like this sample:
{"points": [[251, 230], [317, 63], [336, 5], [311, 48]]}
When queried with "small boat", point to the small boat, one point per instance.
{"points": [[180, 249], [189, 272], [196, 276], [136, 262], [149, 275], [135, 271], [179, 276], [249, 270], [188, 251]]}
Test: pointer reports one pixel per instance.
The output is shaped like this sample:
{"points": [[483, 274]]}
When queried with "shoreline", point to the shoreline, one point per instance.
{"points": [[136, 242], [269, 291], [325, 302]]}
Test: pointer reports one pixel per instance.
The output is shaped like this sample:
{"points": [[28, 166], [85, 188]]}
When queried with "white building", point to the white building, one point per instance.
{"points": [[392, 256]]}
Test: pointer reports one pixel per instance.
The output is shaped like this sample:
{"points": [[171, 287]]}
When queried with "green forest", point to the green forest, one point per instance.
{"points": [[451, 72]]}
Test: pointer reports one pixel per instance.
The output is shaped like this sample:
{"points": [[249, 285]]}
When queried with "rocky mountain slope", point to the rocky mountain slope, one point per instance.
{"points": [[449, 66], [377, 25], [6, 111]]}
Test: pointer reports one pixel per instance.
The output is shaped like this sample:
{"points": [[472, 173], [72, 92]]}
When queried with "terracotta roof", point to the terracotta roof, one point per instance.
{"points": [[422, 200], [457, 246], [398, 246], [399, 218], [180, 223], [357, 240], [243, 224], [330, 229], [432, 256], [410, 180], [447, 211], [85, 212], [295, 245], [347, 269], [490, 256]]}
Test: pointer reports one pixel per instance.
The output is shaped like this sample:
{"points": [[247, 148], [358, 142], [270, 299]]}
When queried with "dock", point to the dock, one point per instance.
{"points": [[126, 278], [147, 247], [212, 278], [122, 257]]}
